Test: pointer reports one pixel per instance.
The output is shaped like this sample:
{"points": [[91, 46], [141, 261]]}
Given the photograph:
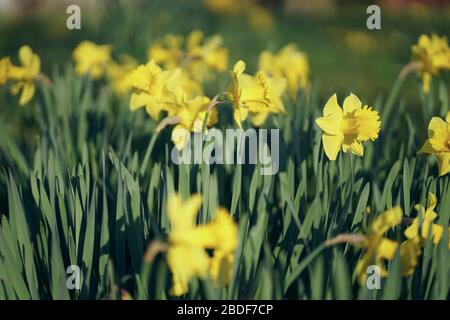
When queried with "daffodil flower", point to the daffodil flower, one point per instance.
{"points": [[92, 59], [433, 55], [120, 74], [155, 89], [209, 50], [167, 52], [422, 226], [187, 256], [192, 87], [198, 58], [349, 127], [277, 87], [438, 142], [378, 247], [226, 241], [191, 115], [250, 93], [25, 75], [288, 63]]}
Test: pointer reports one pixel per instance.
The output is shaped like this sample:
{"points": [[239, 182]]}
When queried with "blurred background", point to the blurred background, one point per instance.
{"points": [[343, 53]]}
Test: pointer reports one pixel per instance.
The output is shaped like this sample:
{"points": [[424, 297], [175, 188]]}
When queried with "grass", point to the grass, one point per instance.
{"points": [[84, 181]]}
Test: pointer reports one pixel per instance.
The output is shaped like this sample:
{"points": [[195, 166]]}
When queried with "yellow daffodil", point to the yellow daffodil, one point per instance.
{"points": [[422, 226], [25, 75], [226, 235], [378, 247], [205, 55], [433, 55], [277, 87], [438, 143], [185, 260], [5, 66], [288, 63], [348, 127], [209, 50], [155, 89], [250, 93], [187, 256], [120, 74], [190, 86], [418, 232], [91, 59], [167, 52], [191, 114], [198, 57]]}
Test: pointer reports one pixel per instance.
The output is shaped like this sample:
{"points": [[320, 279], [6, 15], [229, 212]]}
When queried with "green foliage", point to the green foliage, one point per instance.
{"points": [[87, 186]]}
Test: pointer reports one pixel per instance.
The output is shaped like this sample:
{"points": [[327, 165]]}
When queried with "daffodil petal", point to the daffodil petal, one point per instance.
{"points": [[351, 103], [426, 148], [357, 148], [387, 248], [330, 124], [25, 55], [443, 163], [239, 67], [332, 144], [332, 107], [27, 93], [409, 254]]}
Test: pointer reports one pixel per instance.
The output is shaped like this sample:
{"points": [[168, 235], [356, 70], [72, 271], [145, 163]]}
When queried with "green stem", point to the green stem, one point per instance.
{"points": [[302, 266], [392, 98], [148, 152]]}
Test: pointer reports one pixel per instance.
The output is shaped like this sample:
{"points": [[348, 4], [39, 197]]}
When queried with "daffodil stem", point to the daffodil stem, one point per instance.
{"points": [[44, 79], [154, 248], [148, 152], [302, 266], [345, 238], [352, 181], [391, 100]]}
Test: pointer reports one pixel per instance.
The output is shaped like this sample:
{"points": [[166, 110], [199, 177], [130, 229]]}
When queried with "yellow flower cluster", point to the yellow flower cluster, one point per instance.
{"points": [[187, 256], [161, 90], [172, 81], [288, 63], [24, 75], [199, 56], [96, 61], [422, 226], [378, 248], [433, 55]]}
